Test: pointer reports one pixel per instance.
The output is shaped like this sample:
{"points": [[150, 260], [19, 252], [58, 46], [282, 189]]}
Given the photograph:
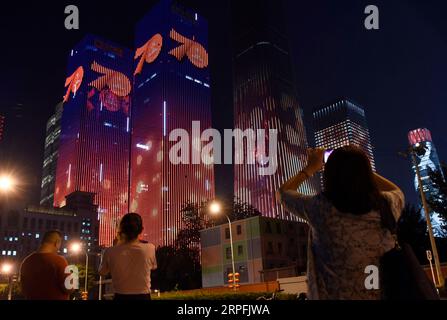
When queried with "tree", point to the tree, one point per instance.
{"points": [[196, 217], [412, 229], [178, 269]]}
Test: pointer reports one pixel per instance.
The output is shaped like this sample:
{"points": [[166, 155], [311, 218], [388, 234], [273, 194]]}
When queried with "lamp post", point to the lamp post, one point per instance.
{"points": [[76, 248], [216, 209], [100, 277], [412, 151], [7, 270]]}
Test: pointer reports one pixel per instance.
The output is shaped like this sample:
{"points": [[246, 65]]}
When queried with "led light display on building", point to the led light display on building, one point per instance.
{"points": [[171, 90], [428, 163], [95, 130]]}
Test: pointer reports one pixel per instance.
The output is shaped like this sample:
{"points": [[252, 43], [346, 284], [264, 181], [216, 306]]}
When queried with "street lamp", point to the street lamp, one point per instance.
{"points": [[77, 248], [412, 151], [7, 270], [6, 183], [216, 209]]}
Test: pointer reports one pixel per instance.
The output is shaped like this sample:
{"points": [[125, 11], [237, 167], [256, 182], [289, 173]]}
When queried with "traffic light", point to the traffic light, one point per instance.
{"points": [[84, 295], [236, 280], [230, 280]]}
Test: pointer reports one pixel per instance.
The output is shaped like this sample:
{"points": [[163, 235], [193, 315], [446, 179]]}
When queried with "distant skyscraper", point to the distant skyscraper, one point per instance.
{"points": [[265, 98], [50, 157], [95, 130], [427, 162], [171, 90], [342, 123]]}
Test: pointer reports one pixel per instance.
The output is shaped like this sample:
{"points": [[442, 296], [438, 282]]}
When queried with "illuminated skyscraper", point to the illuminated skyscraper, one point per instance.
{"points": [[95, 130], [265, 98], [171, 90], [51, 153], [340, 124], [427, 162]]}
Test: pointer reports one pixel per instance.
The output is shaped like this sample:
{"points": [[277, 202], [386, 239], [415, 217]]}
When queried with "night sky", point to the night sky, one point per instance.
{"points": [[398, 73]]}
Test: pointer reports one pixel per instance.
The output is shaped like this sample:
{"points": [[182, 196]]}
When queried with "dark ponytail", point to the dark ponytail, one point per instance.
{"points": [[131, 225]]}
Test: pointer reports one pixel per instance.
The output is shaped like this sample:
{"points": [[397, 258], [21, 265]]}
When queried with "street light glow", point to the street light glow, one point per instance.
{"points": [[215, 208], [6, 183], [6, 268], [75, 247]]}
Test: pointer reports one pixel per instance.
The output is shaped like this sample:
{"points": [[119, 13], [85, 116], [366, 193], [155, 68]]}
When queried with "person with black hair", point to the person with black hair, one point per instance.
{"points": [[350, 223], [130, 261]]}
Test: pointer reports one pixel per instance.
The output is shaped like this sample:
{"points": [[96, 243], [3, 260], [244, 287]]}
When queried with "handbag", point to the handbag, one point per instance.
{"points": [[402, 277]]}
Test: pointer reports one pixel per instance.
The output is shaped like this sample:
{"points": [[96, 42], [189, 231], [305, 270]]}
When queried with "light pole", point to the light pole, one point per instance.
{"points": [[7, 270], [100, 277], [76, 248], [440, 277], [215, 209]]}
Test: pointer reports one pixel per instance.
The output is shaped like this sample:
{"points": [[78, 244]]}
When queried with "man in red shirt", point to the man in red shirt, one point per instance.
{"points": [[42, 274]]}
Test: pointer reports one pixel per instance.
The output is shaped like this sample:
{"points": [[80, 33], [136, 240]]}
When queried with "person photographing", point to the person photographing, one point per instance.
{"points": [[348, 228], [130, 261]]}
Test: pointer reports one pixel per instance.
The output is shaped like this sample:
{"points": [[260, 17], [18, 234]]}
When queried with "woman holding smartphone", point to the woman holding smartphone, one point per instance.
{"points": [[348, 231], [130, 261]]}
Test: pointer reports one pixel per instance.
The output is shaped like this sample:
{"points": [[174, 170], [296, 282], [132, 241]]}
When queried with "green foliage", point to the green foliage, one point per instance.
{"points": [[16, 291], [412, 229], [178, 269]]}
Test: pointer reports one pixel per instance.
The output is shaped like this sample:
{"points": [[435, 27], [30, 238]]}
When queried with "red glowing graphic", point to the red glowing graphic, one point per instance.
{"points": [[116, 81], [148, 52], [195, 52], [419, 136], [74, 82]]}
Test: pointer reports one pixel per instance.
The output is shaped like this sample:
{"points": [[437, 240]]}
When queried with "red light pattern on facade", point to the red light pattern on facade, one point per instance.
{"points": [[168, 95], [95, 136], [195, 52], [74, 82], [117, 82], [419, 136], [148, 52]]}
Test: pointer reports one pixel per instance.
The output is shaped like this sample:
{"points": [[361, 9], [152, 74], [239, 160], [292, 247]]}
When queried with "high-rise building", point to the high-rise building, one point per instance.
{"points": [[171, 90], [265, 98], [53, 133], [342, 123], [95, 130], [428, 162]]}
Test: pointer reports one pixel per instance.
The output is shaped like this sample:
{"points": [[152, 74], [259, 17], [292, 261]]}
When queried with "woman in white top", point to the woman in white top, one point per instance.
{"points": [[130, 261], [350, 223]]}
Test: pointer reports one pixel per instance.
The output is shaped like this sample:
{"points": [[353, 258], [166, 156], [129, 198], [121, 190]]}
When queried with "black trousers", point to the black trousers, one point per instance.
{"points": [[118, 296]]}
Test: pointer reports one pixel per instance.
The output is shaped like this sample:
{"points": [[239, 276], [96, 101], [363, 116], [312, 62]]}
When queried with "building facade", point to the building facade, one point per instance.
{"points": [[51, 153], [21, 232], [95, 130], [171, 91], [342, 123], [265, 98], [263, 247], [428, 162]]}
